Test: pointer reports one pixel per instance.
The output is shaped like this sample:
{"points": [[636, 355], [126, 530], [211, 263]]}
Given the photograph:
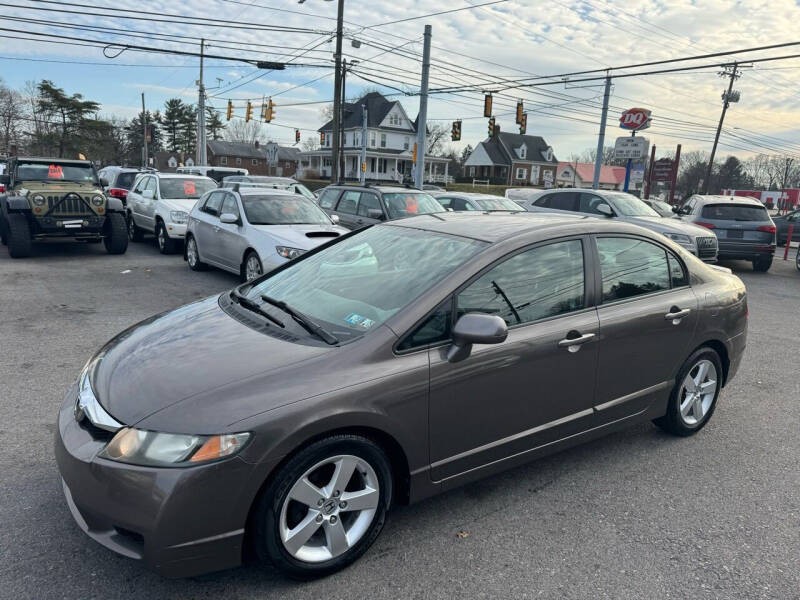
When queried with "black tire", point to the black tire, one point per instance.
{"points": [[166, 245], [116, 234], [194, 264], [762, 265], [3, 234], [672, 422], [18, 236], [134, 233], [265, 532], [797, 259]]}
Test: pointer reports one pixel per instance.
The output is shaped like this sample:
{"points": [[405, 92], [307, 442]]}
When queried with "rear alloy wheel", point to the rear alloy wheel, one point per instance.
{"points": [[762, 265], [116, 234], [134, 233], [797, 259], [193, 256], [252, 267], [166, 245], [694, 396], [325, 507], [18, 235]]}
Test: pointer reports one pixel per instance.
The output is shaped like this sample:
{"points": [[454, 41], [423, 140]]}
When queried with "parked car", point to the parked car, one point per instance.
{"points": [[430, 187], [662, 208], [159, 203], [458, 201], [782, 227], [742, 225], [285, 183], [797, 259], [360, 206], [216, 173], [249, 231], [624, 207], [120, 180], [57, 198], [397, 362]]}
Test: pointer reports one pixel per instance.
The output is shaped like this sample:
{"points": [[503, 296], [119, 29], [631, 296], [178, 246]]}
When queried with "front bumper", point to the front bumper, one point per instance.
{"points": [[69, 227], [180, 522], [176, 230]]}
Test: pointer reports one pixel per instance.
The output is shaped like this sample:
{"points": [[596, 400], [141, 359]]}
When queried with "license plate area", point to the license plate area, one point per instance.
{"points": [[735, 234]]}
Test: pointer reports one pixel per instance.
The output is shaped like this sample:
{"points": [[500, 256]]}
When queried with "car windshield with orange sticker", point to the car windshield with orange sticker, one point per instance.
{"points": [[56, 172]]}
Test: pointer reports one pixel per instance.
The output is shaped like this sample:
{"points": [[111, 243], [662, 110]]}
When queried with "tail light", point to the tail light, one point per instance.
{"points": [[118, 192], [2, 188], [706, 225], [767, 228]]}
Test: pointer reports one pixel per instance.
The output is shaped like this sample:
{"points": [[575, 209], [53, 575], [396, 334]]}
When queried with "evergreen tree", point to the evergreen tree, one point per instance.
{"points": [[214, 124]]}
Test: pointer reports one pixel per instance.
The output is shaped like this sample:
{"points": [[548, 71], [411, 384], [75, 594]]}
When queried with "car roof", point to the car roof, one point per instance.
{"points": [[468, 195], [384, 189], [261, 191], [496, 226], [66, 161], [177, 175], [719, 199]]}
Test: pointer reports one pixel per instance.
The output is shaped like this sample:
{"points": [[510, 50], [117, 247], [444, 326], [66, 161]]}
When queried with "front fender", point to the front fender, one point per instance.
{"points": [[17, 203], [115, 205]]}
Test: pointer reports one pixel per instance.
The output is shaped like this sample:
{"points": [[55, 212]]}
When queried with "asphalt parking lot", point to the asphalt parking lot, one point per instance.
{"points": [[637, 514]]}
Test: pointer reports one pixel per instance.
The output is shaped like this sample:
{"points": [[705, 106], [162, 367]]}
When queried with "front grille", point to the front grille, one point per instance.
{"points": [[71, 206], [707, 247]]}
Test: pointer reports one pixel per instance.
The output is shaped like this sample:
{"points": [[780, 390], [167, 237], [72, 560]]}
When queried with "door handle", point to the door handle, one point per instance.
{"points": [[677, 315], [574, 344]]}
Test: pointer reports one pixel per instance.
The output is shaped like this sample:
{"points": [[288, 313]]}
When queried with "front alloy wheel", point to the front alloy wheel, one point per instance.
{"points": [[797, 259], [252, 267]]}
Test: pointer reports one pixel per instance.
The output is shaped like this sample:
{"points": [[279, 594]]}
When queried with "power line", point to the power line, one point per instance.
{"points": [[435, 14]]}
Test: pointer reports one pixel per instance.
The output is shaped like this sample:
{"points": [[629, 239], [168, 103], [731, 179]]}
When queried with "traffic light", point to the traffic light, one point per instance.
{"points": [[519, 112], [230, 110], [491, 127], [296, 136], [322, 138], [487, 105], [249, 112], [523, 124], [455, 134], [270, 111]]}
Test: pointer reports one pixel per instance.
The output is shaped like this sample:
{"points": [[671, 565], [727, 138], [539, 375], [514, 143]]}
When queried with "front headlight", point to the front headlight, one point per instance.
{"points": [[679, 238], [178, 216], [287, 252], [38, 200], [98, 200], [153, 448]]}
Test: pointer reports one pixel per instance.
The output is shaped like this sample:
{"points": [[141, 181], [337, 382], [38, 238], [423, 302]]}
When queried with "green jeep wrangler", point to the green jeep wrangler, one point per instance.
{"points": [[57, 198]]}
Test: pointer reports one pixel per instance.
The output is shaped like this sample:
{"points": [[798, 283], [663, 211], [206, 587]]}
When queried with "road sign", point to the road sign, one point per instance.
{"points": [[547, 177], [637, 173], [634, 148], [662, 169], [271, 150], [635, 119]]}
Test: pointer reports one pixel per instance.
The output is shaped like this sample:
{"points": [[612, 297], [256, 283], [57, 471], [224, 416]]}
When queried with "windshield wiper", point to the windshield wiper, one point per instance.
{"points": [[302, 320], [248, 304]]}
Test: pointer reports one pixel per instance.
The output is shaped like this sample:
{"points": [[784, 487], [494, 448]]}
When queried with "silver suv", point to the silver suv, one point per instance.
{"points": [[625, 207]]}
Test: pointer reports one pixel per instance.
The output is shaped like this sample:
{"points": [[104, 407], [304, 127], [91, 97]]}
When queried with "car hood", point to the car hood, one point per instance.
{"points": [[669, 225], [184, 371], [183, 204], [304, 236]]}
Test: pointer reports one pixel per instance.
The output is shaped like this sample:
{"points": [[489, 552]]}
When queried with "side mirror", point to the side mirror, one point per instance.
{"points": [[375, 213], [104, 182], [475, 328], [229, 218], [148, 194], [5, 179], [335, 219], [604, 209], [677, 210]]}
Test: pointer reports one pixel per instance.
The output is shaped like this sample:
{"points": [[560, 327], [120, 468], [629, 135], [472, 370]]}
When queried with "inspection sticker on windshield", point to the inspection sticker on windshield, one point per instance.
{"points": [[359, 321]]}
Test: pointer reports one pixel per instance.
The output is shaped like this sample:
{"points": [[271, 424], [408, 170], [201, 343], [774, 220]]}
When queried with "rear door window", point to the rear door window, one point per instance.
{"points": [[328, 198], [348, 203], [562, 201], [735, 212], [368, 202]]}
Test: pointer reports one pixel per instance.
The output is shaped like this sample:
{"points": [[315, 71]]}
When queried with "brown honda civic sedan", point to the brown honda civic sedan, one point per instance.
{"points": [[288, 415]]}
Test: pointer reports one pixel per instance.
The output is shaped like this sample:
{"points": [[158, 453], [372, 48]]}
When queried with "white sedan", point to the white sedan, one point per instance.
{"points": [[253, 230]]}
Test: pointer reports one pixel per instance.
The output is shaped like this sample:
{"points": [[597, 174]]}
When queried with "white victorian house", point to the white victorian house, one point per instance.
{"points": [[390, 143]]}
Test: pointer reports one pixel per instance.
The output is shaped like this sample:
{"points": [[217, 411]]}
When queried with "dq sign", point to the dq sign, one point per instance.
{"points": [[635, 119]]}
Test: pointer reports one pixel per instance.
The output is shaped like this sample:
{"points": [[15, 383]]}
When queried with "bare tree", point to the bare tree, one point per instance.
{"points": [[247, 132], [12, 114], [310, 144], [437, 136]]}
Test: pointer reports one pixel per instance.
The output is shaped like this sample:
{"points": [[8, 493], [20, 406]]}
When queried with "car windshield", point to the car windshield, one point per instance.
{"points": [[304, 191], [735, 212], [629, 205], [408, 204], [496, 203], [282, 210], [360, 282], [185, 188], [55, 171]]}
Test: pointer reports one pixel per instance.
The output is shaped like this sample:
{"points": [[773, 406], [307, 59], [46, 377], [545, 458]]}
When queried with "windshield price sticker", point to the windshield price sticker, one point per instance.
{"points": [[55, 172], [189, 188]]}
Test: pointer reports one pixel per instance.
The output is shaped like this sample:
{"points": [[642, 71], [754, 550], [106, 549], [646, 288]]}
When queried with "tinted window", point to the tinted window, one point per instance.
{"points": [[535, 284], [368, 202], [563, 201], [213, 203], [735, 212], [631, 267], [348, 203], [125, 180], [435, 328], [229, 206], [588, 203], [328, 198], [677, 273]]}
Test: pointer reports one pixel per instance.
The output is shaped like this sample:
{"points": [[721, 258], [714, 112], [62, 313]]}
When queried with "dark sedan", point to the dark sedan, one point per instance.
{"points": [[782, 224], [392, 364]]}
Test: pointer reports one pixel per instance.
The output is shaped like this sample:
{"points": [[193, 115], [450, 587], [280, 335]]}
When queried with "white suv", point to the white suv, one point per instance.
{"points": [[159, 203]]}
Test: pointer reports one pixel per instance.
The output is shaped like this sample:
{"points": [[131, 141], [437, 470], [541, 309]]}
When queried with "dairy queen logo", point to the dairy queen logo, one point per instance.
{"points": [[635, 119]]}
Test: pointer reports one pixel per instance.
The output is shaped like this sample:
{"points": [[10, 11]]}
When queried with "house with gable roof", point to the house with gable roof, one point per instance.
{"points": [[513, 159]]}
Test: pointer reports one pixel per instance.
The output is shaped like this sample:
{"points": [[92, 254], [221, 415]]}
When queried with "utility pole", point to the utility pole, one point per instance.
{"points": [[727, 98], [337, 92], [342, 140], [200, 151], [422, 118], [362, 178], [601, 140], [144, 134]]}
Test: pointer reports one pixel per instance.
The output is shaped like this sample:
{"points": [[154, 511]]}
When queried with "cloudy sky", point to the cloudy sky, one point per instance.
{"points": [[474, 48]]}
